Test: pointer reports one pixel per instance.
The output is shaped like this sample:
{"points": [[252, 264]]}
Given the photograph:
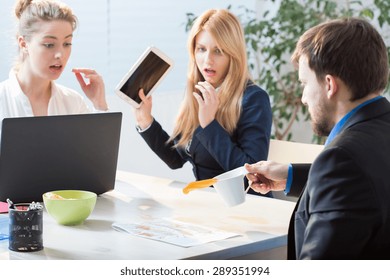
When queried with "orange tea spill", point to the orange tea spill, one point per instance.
{"points": [[198, 185]]}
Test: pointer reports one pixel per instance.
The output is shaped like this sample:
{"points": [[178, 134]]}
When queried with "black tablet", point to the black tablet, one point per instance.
{"points": [[149, 70]]}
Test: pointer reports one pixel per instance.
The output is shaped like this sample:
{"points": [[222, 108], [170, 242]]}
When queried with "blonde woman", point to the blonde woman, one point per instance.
{"points": [[225, 119], [44, 37]]}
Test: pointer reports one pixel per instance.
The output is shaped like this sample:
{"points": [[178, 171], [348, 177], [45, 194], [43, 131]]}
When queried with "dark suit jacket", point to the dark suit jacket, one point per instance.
{"points": [[213, 151], [344, 209]]}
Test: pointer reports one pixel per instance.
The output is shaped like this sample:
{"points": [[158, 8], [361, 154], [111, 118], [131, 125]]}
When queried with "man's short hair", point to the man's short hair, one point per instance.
{"points": [[350, 49]]}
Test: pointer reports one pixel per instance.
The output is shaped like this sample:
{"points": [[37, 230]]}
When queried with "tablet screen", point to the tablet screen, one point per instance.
{"points": [[148, 73]]}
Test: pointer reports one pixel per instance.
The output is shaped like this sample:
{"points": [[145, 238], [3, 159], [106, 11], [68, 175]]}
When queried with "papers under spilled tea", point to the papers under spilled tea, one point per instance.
{"points": [[174, 232]]}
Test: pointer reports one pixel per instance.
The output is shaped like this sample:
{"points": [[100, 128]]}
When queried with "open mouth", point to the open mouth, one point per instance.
{"points": [[209, 71], [56, 67]]}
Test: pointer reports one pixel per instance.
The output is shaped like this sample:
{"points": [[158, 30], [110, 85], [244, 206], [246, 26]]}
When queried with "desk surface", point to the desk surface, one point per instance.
{"points": [[261, 222]]}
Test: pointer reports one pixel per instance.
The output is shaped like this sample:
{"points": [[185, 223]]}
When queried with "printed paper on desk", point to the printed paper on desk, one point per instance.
{"points": [[174, 232]]}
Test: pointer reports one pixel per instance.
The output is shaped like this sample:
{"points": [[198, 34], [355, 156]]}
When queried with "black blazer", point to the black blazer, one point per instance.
{"points": [[213, 151], [344, 209]]}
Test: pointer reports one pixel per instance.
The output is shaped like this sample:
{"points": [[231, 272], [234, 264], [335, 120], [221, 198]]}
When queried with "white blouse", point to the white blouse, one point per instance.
{"points": [[14, 103]]}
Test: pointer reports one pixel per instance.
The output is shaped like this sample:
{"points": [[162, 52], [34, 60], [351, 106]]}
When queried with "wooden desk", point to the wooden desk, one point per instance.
{"points": [[262, 223]]}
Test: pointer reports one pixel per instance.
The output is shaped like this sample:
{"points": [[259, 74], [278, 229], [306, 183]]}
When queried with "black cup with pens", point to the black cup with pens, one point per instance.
{"points": [[25, 226]]}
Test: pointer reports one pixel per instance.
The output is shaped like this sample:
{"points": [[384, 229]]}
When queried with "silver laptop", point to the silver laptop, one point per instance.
{"points": [[41, 154]]}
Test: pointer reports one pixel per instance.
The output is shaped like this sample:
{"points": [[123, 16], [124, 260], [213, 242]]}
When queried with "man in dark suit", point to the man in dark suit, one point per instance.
{"points": [[343, 211]]}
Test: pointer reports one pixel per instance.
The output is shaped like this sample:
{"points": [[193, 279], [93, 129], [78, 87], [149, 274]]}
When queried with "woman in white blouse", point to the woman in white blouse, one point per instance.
{"points": [[45, 32]]}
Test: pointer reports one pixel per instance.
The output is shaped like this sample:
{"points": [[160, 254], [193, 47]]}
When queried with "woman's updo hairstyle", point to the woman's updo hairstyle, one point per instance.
{"points": [[31, 12]]}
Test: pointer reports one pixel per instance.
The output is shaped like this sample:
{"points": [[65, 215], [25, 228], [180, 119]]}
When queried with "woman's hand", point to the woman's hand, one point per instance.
{"points": [[208, 103], [94, 89], [143, 114]]}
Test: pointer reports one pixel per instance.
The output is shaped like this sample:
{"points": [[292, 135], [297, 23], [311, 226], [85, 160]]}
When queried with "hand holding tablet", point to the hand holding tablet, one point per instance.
{"points": [[149, 70]]}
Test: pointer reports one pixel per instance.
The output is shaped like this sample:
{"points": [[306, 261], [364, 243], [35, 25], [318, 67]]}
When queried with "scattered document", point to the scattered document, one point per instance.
{"points": [[174, 232]]}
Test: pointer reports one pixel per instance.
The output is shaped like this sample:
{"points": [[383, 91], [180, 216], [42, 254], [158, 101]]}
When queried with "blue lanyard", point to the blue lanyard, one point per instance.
{"points": [[338, 127]]}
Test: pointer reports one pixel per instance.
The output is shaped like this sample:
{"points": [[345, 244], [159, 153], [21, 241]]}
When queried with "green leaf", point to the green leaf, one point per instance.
{"points": [[368, 13]]}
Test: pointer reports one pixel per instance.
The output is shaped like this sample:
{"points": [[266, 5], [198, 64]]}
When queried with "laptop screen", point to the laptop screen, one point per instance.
{"points": [[41, 154]]}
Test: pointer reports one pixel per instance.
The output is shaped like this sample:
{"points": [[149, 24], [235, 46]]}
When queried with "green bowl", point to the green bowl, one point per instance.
{"points": [[74, 207]]}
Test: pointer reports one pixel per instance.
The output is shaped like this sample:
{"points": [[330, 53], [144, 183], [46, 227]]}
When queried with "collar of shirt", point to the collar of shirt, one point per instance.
{"points": [[339, 126]]}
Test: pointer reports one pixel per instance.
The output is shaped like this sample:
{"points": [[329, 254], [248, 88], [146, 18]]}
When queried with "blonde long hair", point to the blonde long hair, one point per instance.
{"points": [[229, 35]]}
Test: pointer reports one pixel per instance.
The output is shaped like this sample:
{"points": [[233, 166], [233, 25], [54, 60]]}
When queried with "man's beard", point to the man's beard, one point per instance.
{"points": [[321, 128], [323, 124]]}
